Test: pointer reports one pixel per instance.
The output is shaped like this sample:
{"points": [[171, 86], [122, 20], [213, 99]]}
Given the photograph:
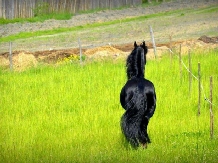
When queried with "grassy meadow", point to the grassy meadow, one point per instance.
{"points": [[71, 113]]}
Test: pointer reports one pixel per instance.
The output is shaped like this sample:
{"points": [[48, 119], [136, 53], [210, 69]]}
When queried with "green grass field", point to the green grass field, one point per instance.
{"points": [[71, 113]]}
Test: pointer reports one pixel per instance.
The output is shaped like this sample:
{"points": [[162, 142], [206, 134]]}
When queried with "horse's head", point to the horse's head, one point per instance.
{"points": [[142, 45], [136, 61]]}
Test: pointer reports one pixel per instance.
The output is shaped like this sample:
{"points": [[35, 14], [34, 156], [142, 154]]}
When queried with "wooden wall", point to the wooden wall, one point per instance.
{"points": [[10, 9]]}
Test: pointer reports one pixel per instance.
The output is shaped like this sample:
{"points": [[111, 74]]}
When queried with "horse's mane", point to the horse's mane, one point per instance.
{"points": [[136, 61]]}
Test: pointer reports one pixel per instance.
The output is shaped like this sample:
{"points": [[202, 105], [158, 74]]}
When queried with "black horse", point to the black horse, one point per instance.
{"points": [[138, 98]]}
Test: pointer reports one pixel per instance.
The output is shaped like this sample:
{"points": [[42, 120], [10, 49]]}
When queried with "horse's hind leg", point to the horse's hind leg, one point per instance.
{"points": [[148, 139], [143, 139], [134, 143], [143, 135]]}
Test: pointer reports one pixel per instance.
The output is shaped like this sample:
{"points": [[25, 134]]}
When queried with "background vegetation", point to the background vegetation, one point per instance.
{"points": [[32, 8], [42, 11], [71, 113]]}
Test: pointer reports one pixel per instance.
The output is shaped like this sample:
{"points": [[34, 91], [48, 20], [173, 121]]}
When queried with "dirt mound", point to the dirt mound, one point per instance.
{"points": [[51, 56], [104, 51], [21, 60], [207, 39], [193, 45], [4, 62]]}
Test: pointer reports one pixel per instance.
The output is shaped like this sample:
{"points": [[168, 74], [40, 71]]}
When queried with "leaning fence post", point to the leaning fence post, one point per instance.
{"points": [[211, 108], [190, 72], [10, 56], [80, 51], [199, 88], [170, 37], [152, 39]]}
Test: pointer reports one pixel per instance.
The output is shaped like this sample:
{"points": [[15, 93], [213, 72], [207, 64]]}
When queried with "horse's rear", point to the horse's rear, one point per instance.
{"points": [[138, 98]]}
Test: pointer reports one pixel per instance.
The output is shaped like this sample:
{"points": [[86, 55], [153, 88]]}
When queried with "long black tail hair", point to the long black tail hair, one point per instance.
{"points": [[134, 123], [136, 61]]}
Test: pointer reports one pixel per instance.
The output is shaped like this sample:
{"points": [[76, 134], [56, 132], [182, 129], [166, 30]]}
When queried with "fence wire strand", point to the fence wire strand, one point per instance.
{"points": [[202, 88]]}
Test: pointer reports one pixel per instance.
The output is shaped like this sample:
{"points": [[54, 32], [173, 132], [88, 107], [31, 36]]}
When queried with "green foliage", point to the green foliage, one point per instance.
{"points": [[41, 13], [41, 8], [40, 18], [57, 16], [73, 58], [6, 21], [152, 2], [71, 113]]}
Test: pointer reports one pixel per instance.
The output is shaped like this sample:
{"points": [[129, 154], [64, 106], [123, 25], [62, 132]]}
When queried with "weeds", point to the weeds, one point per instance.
{"points": [[71, 113]]}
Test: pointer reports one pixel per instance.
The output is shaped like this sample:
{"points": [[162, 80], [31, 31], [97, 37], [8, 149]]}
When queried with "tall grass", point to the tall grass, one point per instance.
{"points": [[71, 113]]}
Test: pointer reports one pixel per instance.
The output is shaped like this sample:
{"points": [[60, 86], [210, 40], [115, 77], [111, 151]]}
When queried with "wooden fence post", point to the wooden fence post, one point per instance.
{"points": [[170, 46], [10, 56], [180, 62], [211, 108], [199, 88], [152, 39], [80, 51], [190, 72]]}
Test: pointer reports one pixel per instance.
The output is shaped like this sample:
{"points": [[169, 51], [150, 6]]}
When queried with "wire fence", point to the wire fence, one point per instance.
{"points": [[85, 43], [200, 91], [50, 43], [195, 77]]}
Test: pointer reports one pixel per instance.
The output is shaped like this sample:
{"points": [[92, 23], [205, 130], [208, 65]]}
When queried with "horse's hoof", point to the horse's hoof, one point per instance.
{"points": [[144, 146]]}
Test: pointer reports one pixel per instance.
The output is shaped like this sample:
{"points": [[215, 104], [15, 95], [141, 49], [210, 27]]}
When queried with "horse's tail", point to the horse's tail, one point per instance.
{"points": [[128, 131], [131, 121]]}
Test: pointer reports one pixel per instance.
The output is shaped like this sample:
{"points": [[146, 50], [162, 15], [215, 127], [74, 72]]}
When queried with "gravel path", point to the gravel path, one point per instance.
{"points": [[102, 16]]}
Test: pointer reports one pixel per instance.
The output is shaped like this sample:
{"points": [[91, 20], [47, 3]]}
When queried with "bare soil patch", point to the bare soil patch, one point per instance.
{"points": [[25, 59]]}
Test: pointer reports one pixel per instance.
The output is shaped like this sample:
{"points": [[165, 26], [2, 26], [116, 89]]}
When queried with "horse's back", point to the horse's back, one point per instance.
{"points": [[137, 87], [140, 84]]}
